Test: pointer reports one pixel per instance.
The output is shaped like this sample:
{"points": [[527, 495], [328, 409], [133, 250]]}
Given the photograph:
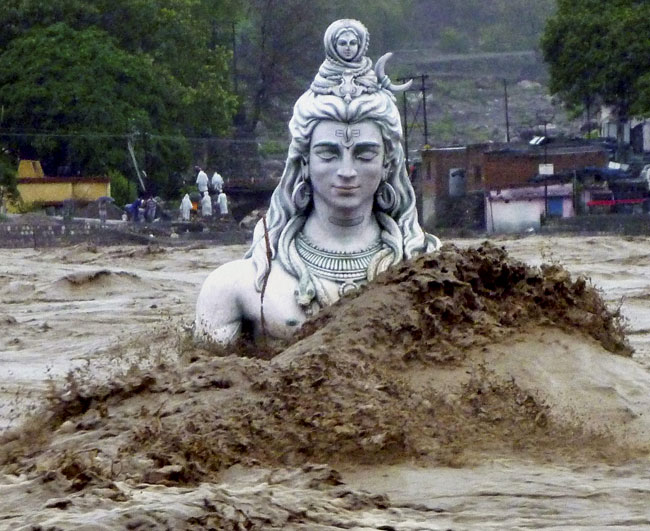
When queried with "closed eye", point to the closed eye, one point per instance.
{"points": [[326, 153], [367, 154]]}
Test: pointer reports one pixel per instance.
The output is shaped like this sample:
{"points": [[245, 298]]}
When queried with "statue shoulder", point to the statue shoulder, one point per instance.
{"points": [[230, 278], [220, 306]]}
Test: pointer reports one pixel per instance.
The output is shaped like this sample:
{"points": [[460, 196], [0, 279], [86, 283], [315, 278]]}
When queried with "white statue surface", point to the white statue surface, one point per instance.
{"points": [[343, 212]]}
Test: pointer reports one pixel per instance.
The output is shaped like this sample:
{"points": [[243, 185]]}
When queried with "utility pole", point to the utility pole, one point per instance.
{"points": [[234, 56], [424, 109], [505, 96], [406, 129], [423, 90]]}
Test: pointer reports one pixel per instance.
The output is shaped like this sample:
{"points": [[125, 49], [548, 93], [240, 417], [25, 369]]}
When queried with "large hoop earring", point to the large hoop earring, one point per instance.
{"points": [[385, 197], [301, 196]]}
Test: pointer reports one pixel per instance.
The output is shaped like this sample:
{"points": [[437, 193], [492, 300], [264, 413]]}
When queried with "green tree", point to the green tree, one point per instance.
{"points": [[599, 52], [85, 91], [100, 70], [8, 185]]}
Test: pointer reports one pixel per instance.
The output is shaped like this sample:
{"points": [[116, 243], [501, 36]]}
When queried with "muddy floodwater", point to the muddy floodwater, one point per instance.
{"points": [[479, 389]]}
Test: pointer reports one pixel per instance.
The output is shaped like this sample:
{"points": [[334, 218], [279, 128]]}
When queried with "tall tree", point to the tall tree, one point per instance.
{"points": [[155, 68], [78, 95], [279, 43], [599, 52], [8, 181]]}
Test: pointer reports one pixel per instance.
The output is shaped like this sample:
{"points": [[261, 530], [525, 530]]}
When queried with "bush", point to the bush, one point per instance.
{"points": [[8, 186], [453, 41], [122, 190]]}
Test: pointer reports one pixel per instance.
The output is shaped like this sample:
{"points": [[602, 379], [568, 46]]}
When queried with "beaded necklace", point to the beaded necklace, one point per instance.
{"points": [[344, 267]]}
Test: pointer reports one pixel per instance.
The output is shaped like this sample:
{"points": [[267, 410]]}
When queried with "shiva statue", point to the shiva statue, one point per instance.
{"points": [[344, 209]]}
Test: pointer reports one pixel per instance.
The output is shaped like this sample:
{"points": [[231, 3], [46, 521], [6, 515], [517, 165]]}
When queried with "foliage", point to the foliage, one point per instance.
{"points": [[99, 71], [275, 54], [453, 41], [273, 147], [122, 190], [600, 53], [8, 184]]}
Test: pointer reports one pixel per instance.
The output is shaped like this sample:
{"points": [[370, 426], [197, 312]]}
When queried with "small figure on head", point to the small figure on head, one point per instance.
{"points": [[346, 41], [201, 180]]}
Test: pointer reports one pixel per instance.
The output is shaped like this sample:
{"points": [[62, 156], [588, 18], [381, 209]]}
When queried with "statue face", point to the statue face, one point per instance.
{"points": [[347, 45], [345, 165]]}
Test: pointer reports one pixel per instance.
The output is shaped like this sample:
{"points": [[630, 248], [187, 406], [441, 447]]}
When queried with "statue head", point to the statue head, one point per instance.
{"points": [[337, 95], [346, 40]]}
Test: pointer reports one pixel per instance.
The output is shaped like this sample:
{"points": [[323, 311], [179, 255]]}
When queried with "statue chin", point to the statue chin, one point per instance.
{"points": [[342, 213]]}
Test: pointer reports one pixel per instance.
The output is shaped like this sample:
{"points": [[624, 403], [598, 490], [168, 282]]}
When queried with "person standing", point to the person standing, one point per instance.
{"points": [[206, 206], [201, 180], [216, 183], [150, 209], [222, 201], [133, 210], [186, 207], [102, 213]]}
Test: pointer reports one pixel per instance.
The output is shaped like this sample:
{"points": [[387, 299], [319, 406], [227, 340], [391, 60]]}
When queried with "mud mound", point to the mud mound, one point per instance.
{"points": [[357, 386], [438, 305], [99, 279]]}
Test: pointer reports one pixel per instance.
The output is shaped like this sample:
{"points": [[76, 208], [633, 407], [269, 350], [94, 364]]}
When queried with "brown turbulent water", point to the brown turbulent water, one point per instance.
{"points": [[466, 390]]}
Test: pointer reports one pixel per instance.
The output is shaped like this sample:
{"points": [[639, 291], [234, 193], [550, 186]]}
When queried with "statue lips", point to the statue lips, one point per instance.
{"points": [[345, 189]]}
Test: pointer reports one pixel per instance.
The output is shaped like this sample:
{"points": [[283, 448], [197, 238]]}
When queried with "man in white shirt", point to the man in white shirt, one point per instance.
{"points": [[216, 183], [201, 180]]}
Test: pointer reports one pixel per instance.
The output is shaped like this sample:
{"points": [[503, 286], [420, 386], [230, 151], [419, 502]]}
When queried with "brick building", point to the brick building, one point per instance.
{"points": [[448, 174], [508, 167]]}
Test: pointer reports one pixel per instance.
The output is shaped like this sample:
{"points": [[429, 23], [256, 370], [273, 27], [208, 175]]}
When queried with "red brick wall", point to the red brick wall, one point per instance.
{"points": [[436, 164], [502, 169], [485, 169]]}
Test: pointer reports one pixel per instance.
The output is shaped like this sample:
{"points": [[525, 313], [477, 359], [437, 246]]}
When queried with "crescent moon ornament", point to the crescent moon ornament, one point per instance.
{"points": [[384, 80]]}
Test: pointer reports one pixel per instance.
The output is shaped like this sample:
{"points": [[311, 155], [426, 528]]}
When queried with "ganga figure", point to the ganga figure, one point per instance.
{"points": [[343, 212]]}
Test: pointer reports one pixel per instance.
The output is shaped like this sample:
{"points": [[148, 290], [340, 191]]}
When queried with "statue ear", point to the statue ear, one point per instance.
{"points": [[386, 170], [304, 169]]}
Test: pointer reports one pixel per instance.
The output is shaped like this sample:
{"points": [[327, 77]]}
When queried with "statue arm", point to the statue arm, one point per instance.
{"points": [[219, 307]]}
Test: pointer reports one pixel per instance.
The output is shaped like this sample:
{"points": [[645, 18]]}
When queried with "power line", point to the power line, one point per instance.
{"points": [[93, 134]]}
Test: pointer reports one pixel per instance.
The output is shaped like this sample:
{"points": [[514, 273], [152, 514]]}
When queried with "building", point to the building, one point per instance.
{"points": [[500, 175], [521, 209], [636, 131], [35, 188]]}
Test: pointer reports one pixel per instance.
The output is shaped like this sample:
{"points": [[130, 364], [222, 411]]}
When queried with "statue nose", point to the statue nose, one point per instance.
{"points": [[346, 170]]}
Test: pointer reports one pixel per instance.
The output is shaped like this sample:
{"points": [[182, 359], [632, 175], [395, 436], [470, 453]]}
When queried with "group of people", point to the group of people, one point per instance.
{"points": [[142, 209], [213, 197]]}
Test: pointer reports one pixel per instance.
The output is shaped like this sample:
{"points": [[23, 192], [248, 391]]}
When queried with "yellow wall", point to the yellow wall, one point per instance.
{"points": [[57, 192], [84, 191], [35, 188], [45, 192]]}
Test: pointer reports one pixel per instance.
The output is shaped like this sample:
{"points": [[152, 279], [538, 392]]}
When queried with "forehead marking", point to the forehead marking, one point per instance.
{"points": [[348, 134]]}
